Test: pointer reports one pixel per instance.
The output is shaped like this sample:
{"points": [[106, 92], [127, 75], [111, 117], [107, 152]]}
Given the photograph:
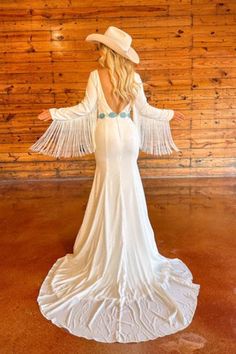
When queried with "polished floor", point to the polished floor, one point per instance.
{"points": [[193, 219]]}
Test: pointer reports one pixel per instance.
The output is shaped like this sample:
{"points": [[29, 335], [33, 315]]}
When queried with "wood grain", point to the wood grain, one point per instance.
{"points": [[188, 63]]}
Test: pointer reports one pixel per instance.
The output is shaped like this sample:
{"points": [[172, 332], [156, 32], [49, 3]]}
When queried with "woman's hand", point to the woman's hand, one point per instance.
{"points": [[45, 115], [178, 116]]}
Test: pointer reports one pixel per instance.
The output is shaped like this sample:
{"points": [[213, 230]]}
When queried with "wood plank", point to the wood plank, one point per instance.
{"points": [[225, 20], [21, 155], [91, 12], [40, 4], [152, 173], [187, 64]]}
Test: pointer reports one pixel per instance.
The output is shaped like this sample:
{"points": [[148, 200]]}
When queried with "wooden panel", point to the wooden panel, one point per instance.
{"points": [[187, 50]]}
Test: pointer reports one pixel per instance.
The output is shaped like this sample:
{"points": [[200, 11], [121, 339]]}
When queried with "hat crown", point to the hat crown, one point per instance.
{"points": [[121, 37], [118, 40]]}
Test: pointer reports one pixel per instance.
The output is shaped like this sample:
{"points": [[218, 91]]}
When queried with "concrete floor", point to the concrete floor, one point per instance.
{"points": [[193, 219]]}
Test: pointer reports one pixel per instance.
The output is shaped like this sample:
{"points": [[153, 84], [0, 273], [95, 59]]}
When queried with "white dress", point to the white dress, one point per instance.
{"points": [[115, 286]]}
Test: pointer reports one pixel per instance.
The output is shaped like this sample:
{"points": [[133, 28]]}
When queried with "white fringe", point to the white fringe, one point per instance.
{"points": [[155, 137], [67, 138]]}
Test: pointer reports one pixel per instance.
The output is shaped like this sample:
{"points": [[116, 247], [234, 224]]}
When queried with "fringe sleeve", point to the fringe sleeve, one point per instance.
{"points": [[71, 132], [154, 126]]}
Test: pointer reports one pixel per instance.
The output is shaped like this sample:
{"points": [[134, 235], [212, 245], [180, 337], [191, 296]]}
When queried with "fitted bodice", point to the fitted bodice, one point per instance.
{"points": [[104, 110]]}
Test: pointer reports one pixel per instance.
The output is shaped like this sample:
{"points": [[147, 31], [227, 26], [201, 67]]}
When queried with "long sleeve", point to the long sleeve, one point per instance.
{"points": [[146, 109], [83, 108], [71, 132], [153, 124]]}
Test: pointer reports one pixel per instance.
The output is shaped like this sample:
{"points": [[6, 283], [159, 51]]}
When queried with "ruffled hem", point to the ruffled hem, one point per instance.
{"points": [[168, 308]]}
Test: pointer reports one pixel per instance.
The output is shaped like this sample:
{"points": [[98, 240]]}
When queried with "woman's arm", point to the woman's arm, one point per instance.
{"points": [[146, 109], [154, 125], [84, 107], [71, 130]]}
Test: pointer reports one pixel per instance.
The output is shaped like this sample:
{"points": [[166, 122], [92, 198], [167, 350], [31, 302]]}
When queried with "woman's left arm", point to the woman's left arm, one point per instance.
{"points": [[71, 130], [145, 109], [82, 108], [154, 124]]}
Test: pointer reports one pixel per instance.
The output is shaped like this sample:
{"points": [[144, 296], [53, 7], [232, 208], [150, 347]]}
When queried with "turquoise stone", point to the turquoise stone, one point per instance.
{"points": [[112, 114]]}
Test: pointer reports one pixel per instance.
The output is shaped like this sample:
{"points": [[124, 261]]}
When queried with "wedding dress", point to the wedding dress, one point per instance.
{"points": [[115, 286]]}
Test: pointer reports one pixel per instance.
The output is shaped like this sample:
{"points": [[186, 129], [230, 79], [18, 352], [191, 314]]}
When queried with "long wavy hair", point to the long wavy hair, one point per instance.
{"points": [[125, 87]]}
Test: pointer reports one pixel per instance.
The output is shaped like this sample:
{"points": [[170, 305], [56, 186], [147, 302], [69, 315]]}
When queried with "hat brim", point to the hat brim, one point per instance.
{"points": [[131, 54]]}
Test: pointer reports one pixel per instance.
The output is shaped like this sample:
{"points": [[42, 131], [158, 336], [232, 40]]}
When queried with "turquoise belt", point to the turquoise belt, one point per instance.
{"points": [[114, 114]]}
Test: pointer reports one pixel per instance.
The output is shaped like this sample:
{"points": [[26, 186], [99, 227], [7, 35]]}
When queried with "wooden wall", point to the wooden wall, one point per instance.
{"points": [[188, 63]]}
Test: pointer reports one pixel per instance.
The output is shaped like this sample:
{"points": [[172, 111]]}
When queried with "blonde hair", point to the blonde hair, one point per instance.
{"points": [[125, 87]]}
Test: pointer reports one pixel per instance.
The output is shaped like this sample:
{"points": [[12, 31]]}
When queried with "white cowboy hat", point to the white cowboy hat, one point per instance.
{"points": [[117, 40]]}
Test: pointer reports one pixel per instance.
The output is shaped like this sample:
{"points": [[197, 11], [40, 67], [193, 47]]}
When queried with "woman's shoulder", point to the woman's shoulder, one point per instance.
{"points": [[137, 76], [93, 76], [99, 70], [93, 72]]}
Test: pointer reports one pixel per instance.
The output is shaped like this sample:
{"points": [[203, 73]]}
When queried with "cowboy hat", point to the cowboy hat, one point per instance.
{"points": [[117, 40]]}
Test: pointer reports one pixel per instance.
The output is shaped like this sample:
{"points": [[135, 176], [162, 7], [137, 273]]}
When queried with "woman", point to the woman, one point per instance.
{"points": [[115, 286]]}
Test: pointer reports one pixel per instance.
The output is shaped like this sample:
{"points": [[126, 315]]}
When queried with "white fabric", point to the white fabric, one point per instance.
{"points": [[116, 286]]}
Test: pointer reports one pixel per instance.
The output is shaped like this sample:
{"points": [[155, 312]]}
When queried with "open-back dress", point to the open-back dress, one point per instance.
{"points": [[115, 286]]}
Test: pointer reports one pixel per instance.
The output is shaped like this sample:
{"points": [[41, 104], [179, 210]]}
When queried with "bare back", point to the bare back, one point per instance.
{"points": [[115, 103]]}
